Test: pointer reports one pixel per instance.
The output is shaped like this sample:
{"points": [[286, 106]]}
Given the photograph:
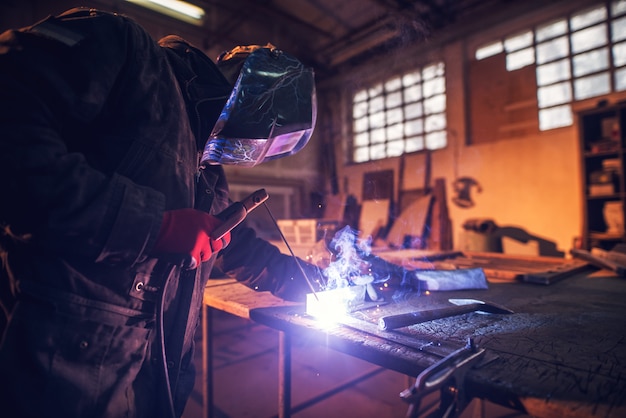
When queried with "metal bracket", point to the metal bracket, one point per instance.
{"points": [[448, 376]]}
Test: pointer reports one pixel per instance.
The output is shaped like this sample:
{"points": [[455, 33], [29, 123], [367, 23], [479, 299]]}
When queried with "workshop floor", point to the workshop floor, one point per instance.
{"points": [[325, 383]]}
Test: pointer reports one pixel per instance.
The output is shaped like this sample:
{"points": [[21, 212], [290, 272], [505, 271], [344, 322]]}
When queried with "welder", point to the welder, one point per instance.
{"points": [[111, 177]]}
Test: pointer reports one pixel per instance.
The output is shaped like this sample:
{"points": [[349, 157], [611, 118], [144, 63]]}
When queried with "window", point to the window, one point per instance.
{"points": [[404, 114], [576, 57]]}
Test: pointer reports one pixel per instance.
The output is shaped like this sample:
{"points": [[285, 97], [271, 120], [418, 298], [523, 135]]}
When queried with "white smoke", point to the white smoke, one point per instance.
{"points": [[348, 267]]}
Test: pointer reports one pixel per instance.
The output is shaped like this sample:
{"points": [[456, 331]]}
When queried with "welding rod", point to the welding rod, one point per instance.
{"points": [[308, 281]]}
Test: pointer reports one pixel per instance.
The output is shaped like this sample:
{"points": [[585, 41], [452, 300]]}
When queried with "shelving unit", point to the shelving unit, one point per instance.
{"points": [[603, 148]]}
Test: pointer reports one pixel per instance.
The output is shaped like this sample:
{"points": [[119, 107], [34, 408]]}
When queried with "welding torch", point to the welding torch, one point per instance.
{"points": [[234, 214]]}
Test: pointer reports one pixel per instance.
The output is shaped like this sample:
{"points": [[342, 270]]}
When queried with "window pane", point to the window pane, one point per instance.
{"points": [[359, 110], [360, 96], [394, 116], [393, 84], [554, 94], [413, 127], [411, 78], [377, 136], [361, 139], [619, 54], [395, 131], [591, 62], [589, 38], [620, 79], [551, 50], [377, 120], [413, 93], [361, 154], [361, 124], [553, 72], [415, 143], [588, 17], [436, 140], [517, 42], [488, 50], [376, 104], [413, 110], [436, 104], [377, 90], [434, 123], [395, 148], [434, 86], [555, 117], [551, 30], [432, 71], [520, 59], [592, 86], [618, 29], [377, 152], [394, 99], [618, 7]]}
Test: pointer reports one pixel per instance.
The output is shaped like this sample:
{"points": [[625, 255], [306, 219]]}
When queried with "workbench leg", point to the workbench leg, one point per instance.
{"points": [[207, 361], [284, 374]]}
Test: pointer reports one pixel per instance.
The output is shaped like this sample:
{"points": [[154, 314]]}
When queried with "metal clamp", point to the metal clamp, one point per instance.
{"points": [[448, 376]]}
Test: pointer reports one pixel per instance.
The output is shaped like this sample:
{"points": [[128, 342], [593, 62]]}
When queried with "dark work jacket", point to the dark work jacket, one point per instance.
{"points": [[96, 143]]}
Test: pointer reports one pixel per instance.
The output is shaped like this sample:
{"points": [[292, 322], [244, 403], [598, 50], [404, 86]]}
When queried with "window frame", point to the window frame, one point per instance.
{"points": [[567, 29], [403, 114]]}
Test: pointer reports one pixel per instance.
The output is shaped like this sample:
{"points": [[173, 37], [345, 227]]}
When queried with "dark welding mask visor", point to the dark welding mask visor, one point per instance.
{"points": [[270, 113]]}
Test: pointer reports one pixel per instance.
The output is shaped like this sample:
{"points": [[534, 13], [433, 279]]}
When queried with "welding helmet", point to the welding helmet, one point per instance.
{"points": [[271, 110]]}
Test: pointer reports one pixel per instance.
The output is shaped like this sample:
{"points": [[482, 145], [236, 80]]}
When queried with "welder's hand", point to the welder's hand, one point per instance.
{"points": [[186, 232]]}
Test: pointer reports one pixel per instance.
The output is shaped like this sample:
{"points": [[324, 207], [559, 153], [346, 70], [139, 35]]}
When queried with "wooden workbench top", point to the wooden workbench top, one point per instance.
{"points": [[230, 296], [560, 354]]}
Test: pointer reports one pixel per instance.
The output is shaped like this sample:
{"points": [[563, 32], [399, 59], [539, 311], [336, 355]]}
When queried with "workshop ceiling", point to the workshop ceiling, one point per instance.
{"points": [[335, 35], [331, 34]]}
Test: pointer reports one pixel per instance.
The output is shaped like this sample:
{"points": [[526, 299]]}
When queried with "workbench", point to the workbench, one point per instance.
{"points": [[561, 353]]}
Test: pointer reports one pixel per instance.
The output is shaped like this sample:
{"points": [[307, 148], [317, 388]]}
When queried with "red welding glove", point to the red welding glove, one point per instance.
{"points": [[186, 232]]}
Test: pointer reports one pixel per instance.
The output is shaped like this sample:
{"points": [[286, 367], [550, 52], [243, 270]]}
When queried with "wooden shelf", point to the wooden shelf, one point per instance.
{"points": [[600, 127]]}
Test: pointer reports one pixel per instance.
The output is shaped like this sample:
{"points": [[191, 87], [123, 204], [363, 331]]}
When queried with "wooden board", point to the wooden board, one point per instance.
{"points": [[411, 222], [374, 216], [232, 297]]}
